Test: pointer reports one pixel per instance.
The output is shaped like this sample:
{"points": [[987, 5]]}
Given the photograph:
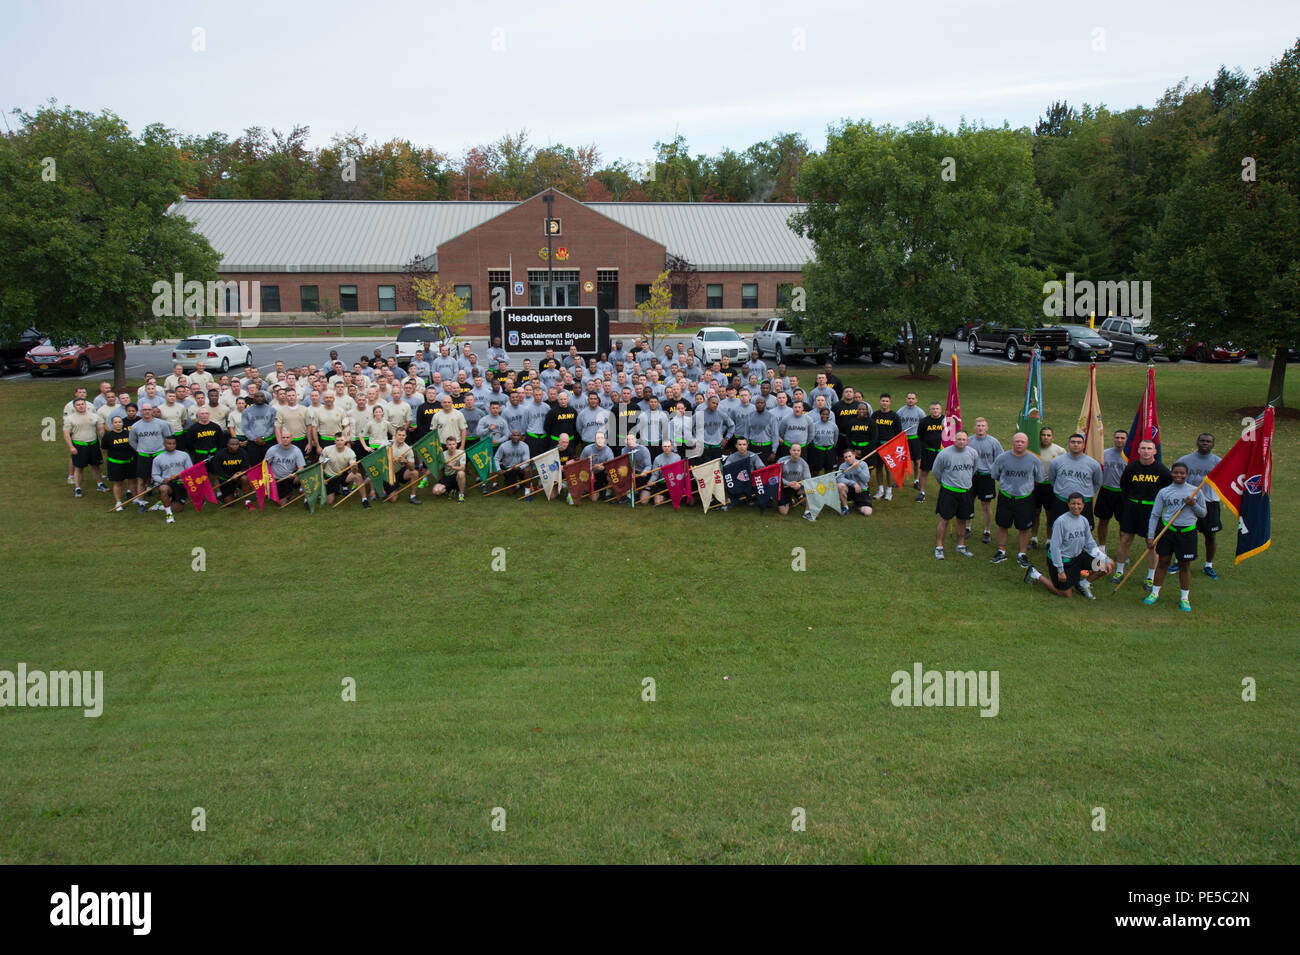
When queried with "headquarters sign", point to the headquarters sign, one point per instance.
{"points": [[540, 328]]}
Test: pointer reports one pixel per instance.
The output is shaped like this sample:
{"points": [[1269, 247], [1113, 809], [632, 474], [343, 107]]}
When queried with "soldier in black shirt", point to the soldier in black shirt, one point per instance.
{"points": [[1139, 484], [119, 457], [860, 432], [845, 411], [930, 433], [203, 438], [887, 425], [561, 419], [227, 463]]}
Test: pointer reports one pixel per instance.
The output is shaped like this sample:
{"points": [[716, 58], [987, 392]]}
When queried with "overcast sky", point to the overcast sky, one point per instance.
{"points": [[619, 75]]}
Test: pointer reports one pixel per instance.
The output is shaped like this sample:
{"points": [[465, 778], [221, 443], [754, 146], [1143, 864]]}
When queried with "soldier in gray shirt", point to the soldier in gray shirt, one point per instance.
{"points": [[822, 439], [1199, 464], [854, 482], [713, 427], [794, 429], [591, 420], [146, 439], [258, 425], [794, 471], [762, 427], [1110, 499], [1069, 551], [1177, 508], [954, 470], [1018, 474], [514, 412], [166, 468], [1071, 472], [988, 448]]}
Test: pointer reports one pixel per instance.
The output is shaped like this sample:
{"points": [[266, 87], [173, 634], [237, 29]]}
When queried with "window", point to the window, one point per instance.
{"points": [[713, 297], [499, 291], [270, 298], [607, 290], [565, 282], [466, 294], [348, 298], [642, 294], [388, 298], [783, 292], [310, 297], [749, 295]]}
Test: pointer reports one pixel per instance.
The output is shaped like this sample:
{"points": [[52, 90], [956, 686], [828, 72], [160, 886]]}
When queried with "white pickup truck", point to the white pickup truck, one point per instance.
{"points": [[778, 339]]}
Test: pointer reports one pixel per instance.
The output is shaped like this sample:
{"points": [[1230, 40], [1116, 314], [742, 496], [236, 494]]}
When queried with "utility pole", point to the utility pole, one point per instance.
{"points": [[550, 274]]}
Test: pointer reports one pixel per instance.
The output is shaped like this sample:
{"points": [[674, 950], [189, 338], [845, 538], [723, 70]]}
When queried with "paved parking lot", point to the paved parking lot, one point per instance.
{"points": [[157, 358]]}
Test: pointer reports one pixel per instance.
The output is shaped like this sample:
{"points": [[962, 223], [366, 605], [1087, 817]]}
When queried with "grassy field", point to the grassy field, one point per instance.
{"points": [[522, 689]]}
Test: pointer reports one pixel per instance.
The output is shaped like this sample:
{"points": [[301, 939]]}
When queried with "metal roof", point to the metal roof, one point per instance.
{"points": [[254, 235], [719, 236]]}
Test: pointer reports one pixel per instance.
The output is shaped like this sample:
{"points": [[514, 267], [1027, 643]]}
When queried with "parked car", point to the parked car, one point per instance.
{"points": [[215, 351], [962, 331], [778, 338], [1013, 341], [15, 351], [846, 346], [716, 342], [1203, 351], [414, 337], [933, 341], [72, 356], [1086, 343], [1131, 336]]}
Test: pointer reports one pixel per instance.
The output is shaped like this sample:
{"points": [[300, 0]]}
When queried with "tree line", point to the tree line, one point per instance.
{"points": [[917, 228], [258, 164]]}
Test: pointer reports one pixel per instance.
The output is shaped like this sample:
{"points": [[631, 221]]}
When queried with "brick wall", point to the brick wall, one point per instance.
{"points": [[590, 242]]}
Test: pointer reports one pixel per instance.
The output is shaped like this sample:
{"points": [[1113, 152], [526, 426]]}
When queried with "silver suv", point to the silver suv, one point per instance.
{"points": [[1131, 336]]}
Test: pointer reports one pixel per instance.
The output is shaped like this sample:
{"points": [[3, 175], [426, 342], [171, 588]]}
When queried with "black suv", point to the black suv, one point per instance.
{"points": [[14, 352]]}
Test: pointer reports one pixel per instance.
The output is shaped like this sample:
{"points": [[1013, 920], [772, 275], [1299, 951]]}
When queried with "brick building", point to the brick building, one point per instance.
{"points": [[744, 256]]}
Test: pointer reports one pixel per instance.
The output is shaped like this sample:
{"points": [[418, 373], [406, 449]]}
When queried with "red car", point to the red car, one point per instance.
{"points": [[1202, 351], [75, 357]]}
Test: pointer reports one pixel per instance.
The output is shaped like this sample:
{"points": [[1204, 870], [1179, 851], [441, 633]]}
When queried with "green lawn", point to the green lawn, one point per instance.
{"points": [[522, 689]]}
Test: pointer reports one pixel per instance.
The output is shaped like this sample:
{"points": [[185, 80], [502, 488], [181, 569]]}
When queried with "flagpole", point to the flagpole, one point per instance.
{"points": [[615, 500], [1156, 539], [359, 486]]}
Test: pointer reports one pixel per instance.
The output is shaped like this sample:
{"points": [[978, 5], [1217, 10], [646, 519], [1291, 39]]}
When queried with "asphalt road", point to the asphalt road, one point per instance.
{"points": [[157, 358]]}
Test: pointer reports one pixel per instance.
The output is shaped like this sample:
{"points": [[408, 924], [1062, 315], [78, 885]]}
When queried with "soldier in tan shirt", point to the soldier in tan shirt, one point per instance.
{"points": [[81, 430], [450, 423], [404, 469], [291, 419], [453, 471], [173, 412], [340, 464], [324, 423], [398, 412]]}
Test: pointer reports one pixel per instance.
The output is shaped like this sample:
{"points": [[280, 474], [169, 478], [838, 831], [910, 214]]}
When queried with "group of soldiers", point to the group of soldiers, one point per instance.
{"points": [[1164, 506], [658, 411]]}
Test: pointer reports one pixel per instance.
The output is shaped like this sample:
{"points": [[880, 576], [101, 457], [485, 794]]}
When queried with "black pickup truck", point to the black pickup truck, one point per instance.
{"points": [[1013, 341]]}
